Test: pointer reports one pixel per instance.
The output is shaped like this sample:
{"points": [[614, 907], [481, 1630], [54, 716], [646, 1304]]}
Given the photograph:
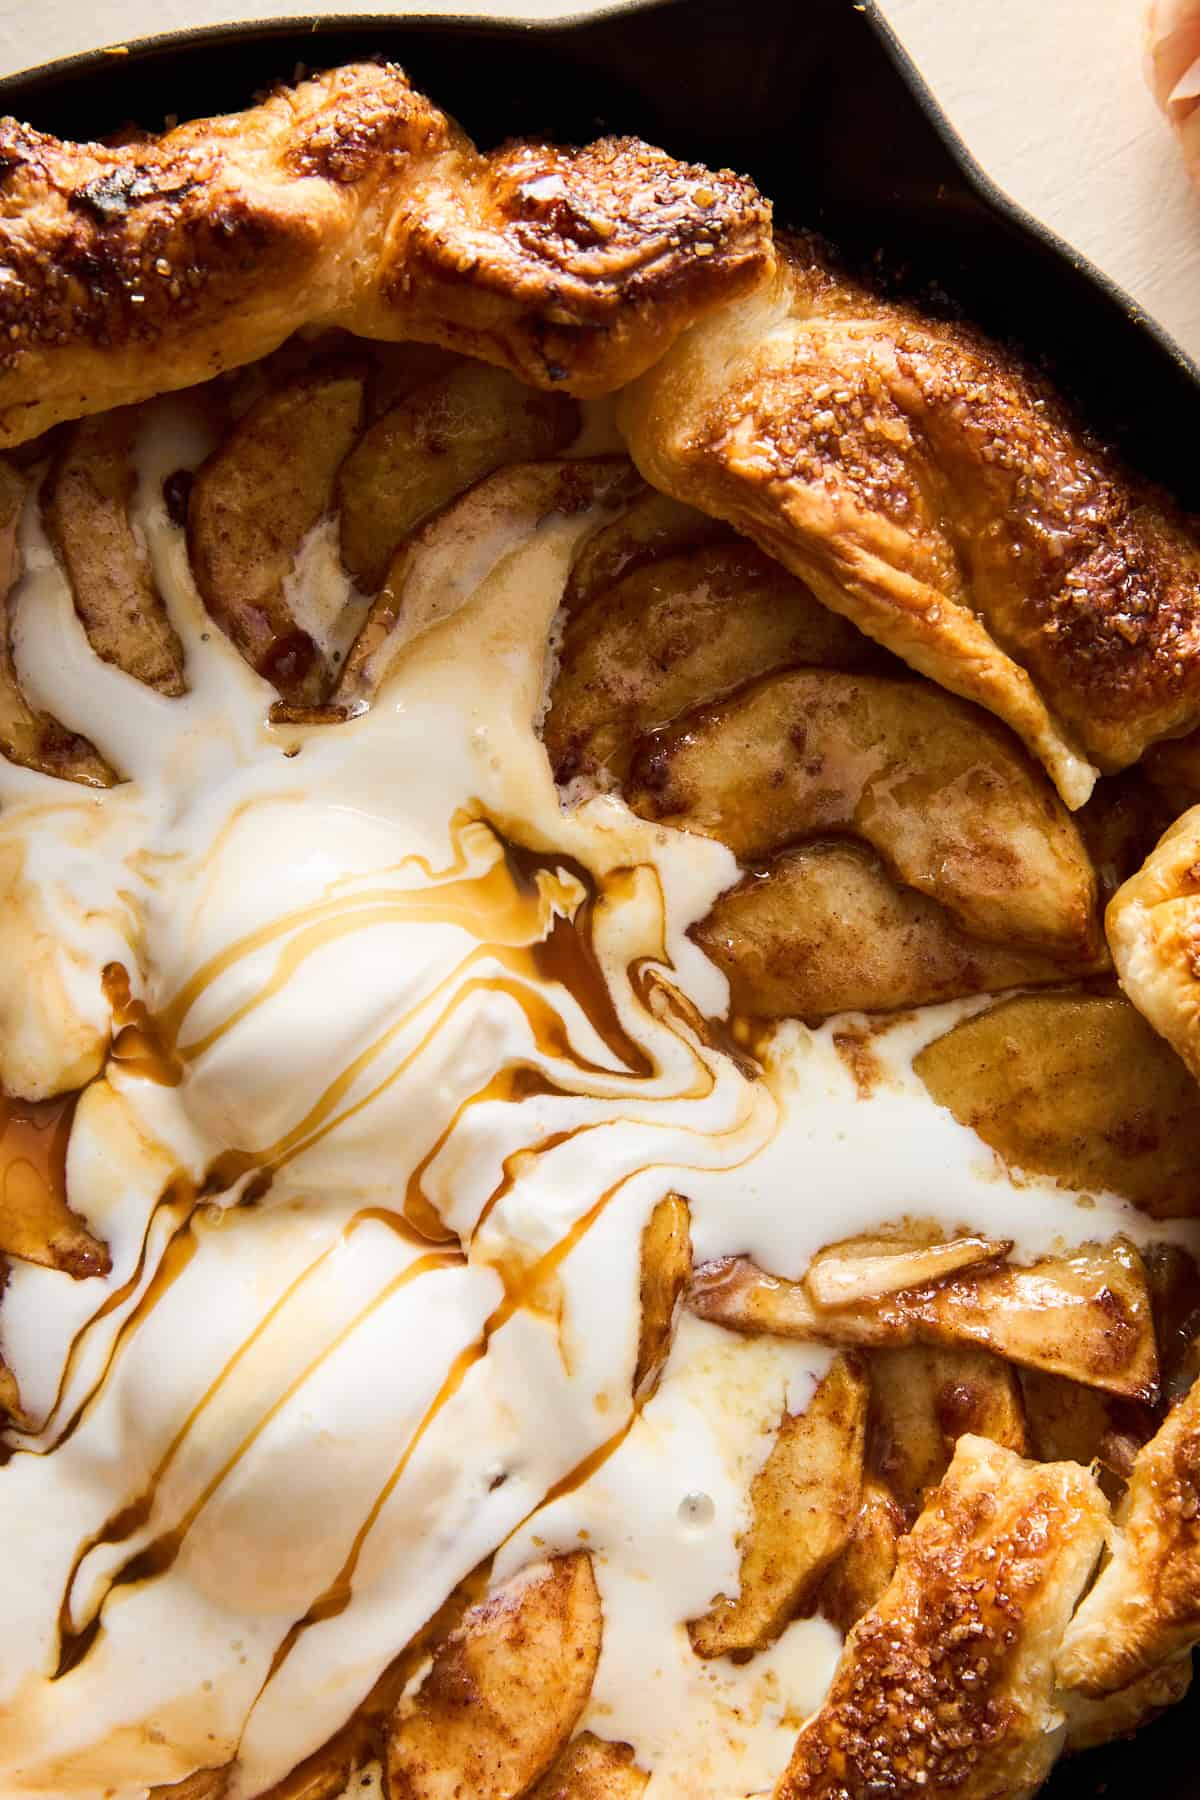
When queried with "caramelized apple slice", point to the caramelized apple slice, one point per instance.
{"points": [[1086, 1315], [32, 739], [947, 797], [867, 1564], [1079, 1087], [1144, 1610], [85, 503], [436, 442], [923, 1399], [650, 527], [252, 505], [842, 1274], [435, 573], [946, 1687], [803, 1505], [824, 928], [592, 1768], [1069, 1422], [678, 631], [36, 1223], [666, 1271], [505, 1690]]}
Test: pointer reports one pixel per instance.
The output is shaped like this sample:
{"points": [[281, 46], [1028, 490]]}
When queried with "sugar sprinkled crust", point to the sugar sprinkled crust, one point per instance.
{"points": [[1144, 1611], [348, 200], [930, 487], [947, 1684]]}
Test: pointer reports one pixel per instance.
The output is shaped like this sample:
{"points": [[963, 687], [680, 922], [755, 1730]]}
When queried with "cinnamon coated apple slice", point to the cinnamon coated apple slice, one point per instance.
{"points": [[85, 503], [1078, 1087], [431, 446], [593, 1768], [803, 1505], [252, 505], [666, 1271], [1086, 1315], [946, 796], [675, 632], [923, 1399], [435, 572], [867, 1564], [651, 527], [36, 1223], [824, 928], [505, 1690], [30, 738]]}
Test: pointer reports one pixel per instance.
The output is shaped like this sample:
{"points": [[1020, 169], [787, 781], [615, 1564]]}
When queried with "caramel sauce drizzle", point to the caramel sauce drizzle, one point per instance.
{"points": [[522, 1286], [157, 1557], [533, 917], [177, 1203]]}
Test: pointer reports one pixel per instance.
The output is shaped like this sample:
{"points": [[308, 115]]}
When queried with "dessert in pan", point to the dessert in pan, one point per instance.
{"points": [[596, 994]]}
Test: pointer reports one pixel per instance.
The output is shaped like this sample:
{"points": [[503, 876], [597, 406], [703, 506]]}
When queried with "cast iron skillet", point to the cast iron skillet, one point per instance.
{"points": [[818, 102]]}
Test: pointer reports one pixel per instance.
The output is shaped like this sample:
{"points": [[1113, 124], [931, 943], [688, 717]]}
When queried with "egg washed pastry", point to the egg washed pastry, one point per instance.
{"points": [[598, 931]]}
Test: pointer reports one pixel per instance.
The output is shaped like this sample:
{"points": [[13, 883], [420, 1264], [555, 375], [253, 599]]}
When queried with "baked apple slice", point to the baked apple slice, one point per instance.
{"points": [[1086, 1315], [33, 739], [36, 1223], [923, 1399], [593, 1768], [85, 503], [651, 527], [505, 1690], [803, 1505], [867, 1564], [947, 798], [252, 505], [1078, 1087], [824, 928], [674, 633], [441, 565], [666, 1272], [432, 445]]}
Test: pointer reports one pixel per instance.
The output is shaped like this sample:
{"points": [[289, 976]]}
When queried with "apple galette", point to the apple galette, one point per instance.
{"points": [[599, 1137]]}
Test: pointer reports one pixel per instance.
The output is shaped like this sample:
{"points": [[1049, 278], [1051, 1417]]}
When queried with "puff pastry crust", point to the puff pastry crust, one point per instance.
{"points": [[350, 201], [931, 488], [1153, 929], [1144, 1611], [947, 1684]]}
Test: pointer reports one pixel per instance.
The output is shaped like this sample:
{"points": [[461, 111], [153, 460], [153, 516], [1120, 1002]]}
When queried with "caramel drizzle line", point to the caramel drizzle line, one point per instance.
{"points": [[550, 1037], [466, 904], [336, 1597], [323, 1117], [171, 1198], [157, 1557], [132, 1516], [460, 825], [546, 958]]}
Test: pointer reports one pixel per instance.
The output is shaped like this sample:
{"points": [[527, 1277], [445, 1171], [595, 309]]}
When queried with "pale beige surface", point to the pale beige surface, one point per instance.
{"points": [[1048, 93]]}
